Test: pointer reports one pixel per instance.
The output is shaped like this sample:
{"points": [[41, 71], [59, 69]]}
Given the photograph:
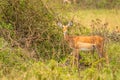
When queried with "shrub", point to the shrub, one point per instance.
{"points": [[29, 25]]}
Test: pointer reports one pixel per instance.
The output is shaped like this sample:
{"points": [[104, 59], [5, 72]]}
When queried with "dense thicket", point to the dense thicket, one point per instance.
{"points": [[29, 25]]}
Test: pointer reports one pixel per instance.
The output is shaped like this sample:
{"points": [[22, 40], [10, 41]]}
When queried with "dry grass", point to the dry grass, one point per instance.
{"points": [[85, 16]]}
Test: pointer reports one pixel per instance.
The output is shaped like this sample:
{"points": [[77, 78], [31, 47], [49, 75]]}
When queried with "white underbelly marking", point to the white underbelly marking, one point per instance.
{"points": [[86, 46], [86, 49]]}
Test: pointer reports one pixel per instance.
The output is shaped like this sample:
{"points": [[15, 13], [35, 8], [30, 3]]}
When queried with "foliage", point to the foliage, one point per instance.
{"points": [[114, 36], [32, 46], [33, 22], [14, 64]]}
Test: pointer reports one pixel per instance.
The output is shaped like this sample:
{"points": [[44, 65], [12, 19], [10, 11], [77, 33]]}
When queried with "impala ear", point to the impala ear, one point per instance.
{"points": [[70, 24], [59, 24]]}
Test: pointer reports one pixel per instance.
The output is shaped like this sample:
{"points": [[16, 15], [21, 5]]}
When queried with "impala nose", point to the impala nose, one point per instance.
{"points": [[65, 29]]}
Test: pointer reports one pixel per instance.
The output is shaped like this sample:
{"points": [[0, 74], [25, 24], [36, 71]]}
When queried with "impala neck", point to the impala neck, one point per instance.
{"points": [[66, 36]]}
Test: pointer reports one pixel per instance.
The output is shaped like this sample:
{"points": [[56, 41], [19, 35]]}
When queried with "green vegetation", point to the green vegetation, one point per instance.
{"points": [[32, 45], [14, 64]]}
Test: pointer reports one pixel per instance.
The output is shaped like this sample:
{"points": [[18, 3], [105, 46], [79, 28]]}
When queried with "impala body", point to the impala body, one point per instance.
{"points": [[86, 46]]}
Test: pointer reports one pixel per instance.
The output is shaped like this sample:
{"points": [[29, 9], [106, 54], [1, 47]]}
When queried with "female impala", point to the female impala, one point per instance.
{"points": [[84, 43]]}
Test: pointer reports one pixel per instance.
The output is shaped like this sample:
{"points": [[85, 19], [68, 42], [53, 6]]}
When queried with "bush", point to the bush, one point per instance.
{"points": [[29, 25]]}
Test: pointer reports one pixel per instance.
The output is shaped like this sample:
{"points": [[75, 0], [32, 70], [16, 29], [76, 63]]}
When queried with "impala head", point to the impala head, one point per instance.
{"points": [[65, 27]]}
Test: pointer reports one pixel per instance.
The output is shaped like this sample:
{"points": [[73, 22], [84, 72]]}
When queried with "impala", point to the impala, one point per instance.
{"points": [[83, 43]]}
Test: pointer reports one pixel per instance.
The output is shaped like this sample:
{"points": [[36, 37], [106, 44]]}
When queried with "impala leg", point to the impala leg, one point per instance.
{"points": [[77, 58], [93, 50], [73, 57], [104, 55], [107, 60], [100, 56], [99, 51]]}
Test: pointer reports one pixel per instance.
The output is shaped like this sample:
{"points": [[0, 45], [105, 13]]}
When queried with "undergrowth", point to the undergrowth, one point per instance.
{"points": [[14, 64]]}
